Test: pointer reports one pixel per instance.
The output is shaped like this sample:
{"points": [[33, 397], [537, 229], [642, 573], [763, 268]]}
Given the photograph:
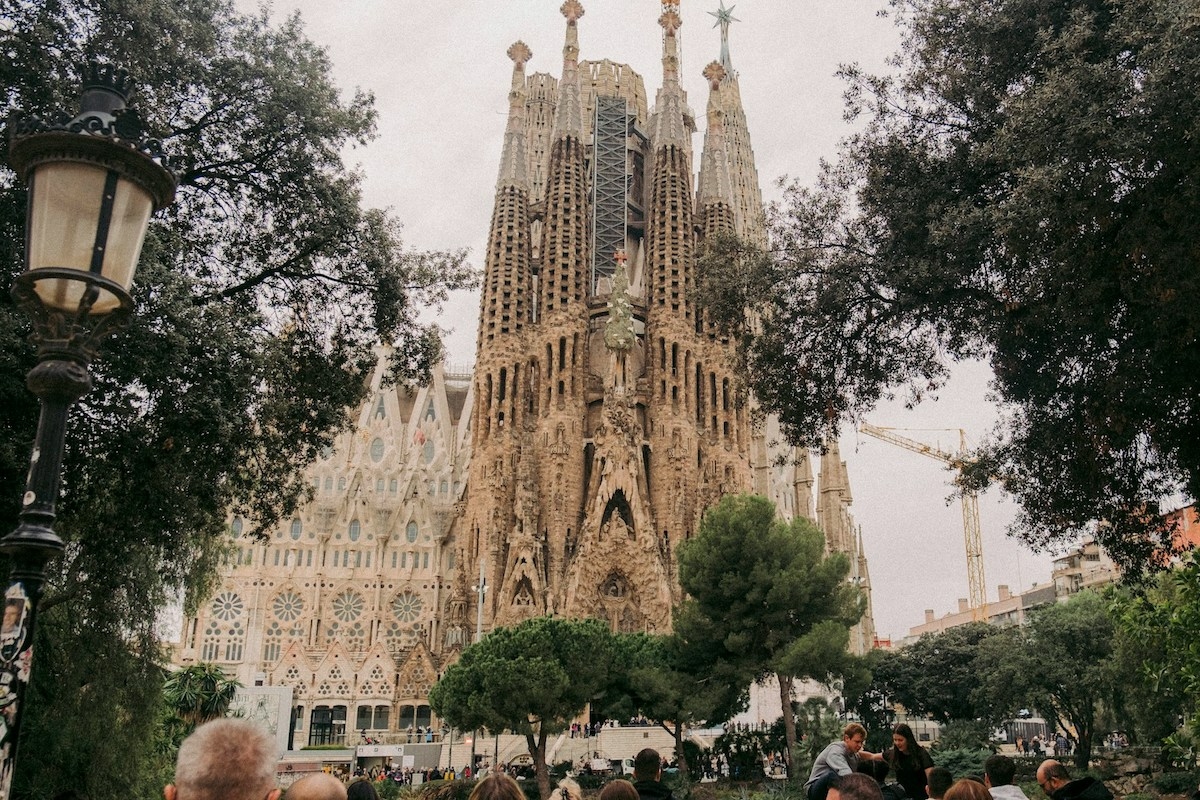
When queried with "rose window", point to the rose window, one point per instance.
{"points": [[407, 606], [348, 606], [288, 606], [227, 606]]}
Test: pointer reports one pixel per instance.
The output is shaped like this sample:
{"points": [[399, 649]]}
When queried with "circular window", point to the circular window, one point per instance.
{"points": [[355, 530], [227, 606], [410, 532], [348, 606], [297, 528], [288, 606], [407, 606], [377, 450]]}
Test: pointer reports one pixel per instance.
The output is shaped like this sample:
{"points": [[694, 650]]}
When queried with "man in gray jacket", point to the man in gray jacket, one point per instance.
{"points": [[998, 772], [839, 758]]}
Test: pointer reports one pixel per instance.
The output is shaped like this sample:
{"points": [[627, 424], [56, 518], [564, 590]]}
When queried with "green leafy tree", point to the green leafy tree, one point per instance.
{"points": [[937, 674], [533, 678], [764, 599], [1061, 663], [199, 693], [261, 295], [662, 681], [1158, 629], [1021, 191]]}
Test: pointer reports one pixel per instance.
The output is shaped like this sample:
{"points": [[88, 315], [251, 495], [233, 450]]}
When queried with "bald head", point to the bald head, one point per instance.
{"points": [[1052, 776], [317, 787]]}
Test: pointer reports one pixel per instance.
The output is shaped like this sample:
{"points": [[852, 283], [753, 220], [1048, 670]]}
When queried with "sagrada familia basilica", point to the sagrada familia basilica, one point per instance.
{"points": [[559, 477]]}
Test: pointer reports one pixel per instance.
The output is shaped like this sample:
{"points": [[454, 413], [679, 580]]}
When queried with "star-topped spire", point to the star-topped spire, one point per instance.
{"points": [[724, 18], [618, 331]]}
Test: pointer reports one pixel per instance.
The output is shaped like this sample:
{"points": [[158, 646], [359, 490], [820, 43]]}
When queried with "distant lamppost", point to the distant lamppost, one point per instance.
{"points": [[93, 182]]}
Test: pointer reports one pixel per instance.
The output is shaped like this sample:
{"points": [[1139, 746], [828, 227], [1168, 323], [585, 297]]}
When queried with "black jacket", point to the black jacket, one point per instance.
{"points": [[1083, 789], [652, 790]]}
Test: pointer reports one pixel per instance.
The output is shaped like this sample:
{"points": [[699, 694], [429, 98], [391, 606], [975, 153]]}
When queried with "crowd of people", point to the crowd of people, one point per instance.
{"points": [[235, 759], [845, 771]]}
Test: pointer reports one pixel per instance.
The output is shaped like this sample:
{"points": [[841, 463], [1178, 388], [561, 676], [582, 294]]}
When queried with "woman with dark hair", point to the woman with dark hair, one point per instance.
{"points": [[909, 761], [362, 789]]}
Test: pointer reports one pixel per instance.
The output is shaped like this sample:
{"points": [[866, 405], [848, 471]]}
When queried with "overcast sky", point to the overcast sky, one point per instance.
{"points": [[440, 76]]}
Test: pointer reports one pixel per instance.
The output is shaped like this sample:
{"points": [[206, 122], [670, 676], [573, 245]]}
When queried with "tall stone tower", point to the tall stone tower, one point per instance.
{"points": [[606, 417], [561, 474]]}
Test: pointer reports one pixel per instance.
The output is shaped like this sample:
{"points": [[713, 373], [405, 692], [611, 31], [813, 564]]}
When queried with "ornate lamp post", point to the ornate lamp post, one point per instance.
{"points": [[93, 182]]}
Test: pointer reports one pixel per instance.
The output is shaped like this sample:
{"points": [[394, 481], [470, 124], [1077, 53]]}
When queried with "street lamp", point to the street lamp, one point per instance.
{"points": [[93, 182]]}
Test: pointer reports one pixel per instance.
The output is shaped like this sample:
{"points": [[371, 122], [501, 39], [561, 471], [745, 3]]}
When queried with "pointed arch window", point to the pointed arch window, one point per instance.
{"points": [[355, 530]]}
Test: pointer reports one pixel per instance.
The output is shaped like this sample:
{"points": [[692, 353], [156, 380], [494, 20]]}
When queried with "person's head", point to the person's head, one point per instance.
{"points": [[618, 790], [967, 789], [903, 739], [225, 759], [568, 790], [1052, 776], [497, 786], [647, 765], [999, 770], [853, 736], [940, 779], [361, 790], [318, 786], [855, 786]]}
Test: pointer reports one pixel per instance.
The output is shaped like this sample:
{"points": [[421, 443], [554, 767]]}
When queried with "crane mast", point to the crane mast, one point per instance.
{"points": [[973, 539]]}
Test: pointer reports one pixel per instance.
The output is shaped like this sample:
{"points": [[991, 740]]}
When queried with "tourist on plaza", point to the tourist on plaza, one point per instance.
{"points": [[968, 789], [998, 772], [940, 780], [1056, 782], [497, 786], [318, 786], [855, 786], [910, 762], [226, 759], [839, 758], [647, 776], [567, 789]]}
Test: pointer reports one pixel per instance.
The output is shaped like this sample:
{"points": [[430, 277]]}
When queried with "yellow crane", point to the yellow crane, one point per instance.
{"points": [[976, 586]]}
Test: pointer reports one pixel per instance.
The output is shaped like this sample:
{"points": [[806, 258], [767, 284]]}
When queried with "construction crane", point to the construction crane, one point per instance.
{"points": [[976, 587]]}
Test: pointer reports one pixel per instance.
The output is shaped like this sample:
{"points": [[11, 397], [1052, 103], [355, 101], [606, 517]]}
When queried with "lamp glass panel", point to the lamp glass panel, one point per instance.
{"points": [[65, 201]]}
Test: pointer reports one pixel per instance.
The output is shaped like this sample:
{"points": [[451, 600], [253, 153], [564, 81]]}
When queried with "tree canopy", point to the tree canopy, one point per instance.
{"points": [[764, 599], [533, 679], [1023, 190], [261, 295], [937, 675], [1061, 663]]}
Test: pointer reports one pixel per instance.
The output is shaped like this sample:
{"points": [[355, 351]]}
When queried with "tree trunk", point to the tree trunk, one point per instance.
{"points": [[789, 721], [537, 750], [677, 733]]}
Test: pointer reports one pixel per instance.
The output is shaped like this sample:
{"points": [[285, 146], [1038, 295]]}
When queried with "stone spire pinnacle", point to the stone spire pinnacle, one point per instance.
{"points": [[724, 17], [568, 118], [673, 122], [715, 183], [513, 162]]}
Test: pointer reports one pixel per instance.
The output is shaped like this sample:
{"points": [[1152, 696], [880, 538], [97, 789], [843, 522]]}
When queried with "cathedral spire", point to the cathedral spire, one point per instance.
{"points": [[673, 123], [715, 185], [568, 118], [513, 162], [724, 17]]}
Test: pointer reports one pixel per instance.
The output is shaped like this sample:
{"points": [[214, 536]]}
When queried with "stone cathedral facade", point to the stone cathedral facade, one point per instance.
{"points": [[599, 422]]}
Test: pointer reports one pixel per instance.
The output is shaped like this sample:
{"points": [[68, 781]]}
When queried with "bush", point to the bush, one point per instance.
{"points": [[1140, 796], [1177, 782], [965, 734], [447, 790], [962, 762]]}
